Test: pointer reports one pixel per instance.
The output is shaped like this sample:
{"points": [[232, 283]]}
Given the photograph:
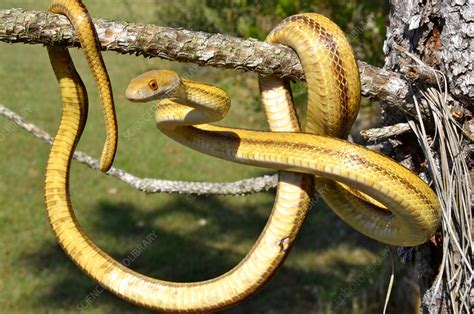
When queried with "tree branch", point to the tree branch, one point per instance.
{"points": [[148, 185], [216, 50]]}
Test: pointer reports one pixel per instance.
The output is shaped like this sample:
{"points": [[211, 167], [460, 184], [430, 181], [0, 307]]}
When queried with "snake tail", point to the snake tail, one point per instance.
{"points": [[79, 17]]}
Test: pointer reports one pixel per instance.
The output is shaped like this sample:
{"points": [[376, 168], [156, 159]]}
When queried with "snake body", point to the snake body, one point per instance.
{"points": [[414, 206]]}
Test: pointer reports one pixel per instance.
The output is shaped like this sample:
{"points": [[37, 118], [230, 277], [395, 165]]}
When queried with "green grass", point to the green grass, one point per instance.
{"points": [[197, 237]]}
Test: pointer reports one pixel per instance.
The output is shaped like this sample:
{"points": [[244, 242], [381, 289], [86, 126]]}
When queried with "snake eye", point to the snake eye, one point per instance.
{"points": [[153, 85]]}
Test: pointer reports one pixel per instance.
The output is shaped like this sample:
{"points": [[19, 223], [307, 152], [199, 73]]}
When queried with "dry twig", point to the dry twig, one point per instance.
{"points": [[148, 185], [451, 178]]}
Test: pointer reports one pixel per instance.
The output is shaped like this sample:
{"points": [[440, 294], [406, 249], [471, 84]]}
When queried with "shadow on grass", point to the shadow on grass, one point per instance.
{"points": [[197, 254]]}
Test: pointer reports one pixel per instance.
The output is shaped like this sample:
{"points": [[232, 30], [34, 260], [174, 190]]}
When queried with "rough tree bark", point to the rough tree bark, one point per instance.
{"points": [[440, 33]]}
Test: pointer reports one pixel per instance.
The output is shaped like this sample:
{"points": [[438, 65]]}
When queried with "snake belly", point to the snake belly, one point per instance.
{"points": [[79, 17]]}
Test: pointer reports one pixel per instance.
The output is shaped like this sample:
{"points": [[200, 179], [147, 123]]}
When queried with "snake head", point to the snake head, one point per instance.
{"points": [[153, 85]]}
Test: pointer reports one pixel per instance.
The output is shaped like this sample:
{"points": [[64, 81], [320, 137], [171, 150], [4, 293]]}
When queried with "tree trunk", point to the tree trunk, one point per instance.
{"points": [[440, 34]]}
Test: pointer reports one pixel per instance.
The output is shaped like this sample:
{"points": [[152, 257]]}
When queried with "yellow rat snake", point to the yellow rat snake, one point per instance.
{"points": [[372, 193]]}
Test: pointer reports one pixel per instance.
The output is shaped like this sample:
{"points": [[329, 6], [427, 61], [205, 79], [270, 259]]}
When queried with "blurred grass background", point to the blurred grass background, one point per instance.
{"points": [[331, 268]]}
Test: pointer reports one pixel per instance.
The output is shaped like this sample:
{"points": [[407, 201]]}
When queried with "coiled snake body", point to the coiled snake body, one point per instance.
{"points": [[393, 204]]}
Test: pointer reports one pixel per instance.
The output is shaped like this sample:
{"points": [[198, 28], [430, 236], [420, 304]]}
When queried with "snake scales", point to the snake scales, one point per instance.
{"points": [[386, 201]]}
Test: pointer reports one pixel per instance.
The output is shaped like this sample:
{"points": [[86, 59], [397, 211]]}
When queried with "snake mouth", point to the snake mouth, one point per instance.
{"points": [[135, 95]]}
